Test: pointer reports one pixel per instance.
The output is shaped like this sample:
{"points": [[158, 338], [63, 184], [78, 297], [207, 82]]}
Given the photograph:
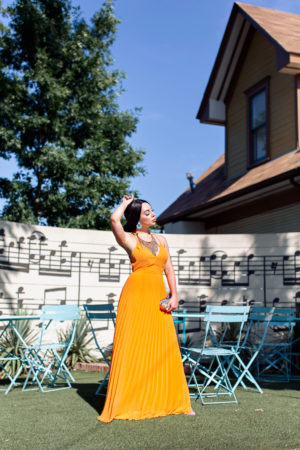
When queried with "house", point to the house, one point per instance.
{"points": [[254, 92]]}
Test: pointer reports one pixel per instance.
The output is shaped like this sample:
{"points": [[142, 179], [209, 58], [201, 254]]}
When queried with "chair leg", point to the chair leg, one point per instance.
{"points": [[13, 380], [223, 383], [104, 381], [243, 371], [196, 368]]}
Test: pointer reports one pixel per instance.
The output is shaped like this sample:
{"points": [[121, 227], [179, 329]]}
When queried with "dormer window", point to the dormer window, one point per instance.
{"points": [[258, 123]]}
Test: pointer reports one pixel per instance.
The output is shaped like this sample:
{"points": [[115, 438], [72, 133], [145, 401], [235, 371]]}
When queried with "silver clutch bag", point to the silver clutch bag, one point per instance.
{"points": [[163, 303]]}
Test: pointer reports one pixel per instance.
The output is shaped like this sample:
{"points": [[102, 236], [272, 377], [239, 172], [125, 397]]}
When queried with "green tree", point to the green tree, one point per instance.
{"points": [[60, 118], [2, 12]]}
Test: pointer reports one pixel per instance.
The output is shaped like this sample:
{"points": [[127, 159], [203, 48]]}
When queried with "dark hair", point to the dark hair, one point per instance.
{"points": [[132, 214]]}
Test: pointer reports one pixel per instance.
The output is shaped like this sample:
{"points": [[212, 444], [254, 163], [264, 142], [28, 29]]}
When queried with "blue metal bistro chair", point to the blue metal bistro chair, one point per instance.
{"points": [[96, 313], [275, 361], [46, 360], [259, 320], [221, 355]]}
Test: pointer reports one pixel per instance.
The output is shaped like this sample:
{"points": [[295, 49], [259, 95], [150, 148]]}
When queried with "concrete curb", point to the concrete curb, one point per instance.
{"points": [[92, 367]]}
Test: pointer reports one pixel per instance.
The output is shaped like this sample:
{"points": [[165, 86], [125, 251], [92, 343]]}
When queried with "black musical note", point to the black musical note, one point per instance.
{"points": [[110, 270], [202, 305], [291, 269], [193, 271], [274, 266], [13, 261], [19, 292], [60, 265], [237, 271], [213, 271]]}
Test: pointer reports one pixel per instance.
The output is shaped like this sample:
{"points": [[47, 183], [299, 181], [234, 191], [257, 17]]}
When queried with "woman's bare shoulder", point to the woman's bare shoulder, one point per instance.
{"points": [[129, 242], [131, 237]]}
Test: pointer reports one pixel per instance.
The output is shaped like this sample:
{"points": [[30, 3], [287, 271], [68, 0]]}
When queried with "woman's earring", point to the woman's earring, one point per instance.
{"points": [[139, 225]]}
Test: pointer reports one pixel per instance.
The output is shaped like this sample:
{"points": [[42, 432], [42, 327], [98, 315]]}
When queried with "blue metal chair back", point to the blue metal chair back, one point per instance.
{"points": [[51, 314], [60, 313], [100, 312], [259, 320], [283, 317], [225, 315]]}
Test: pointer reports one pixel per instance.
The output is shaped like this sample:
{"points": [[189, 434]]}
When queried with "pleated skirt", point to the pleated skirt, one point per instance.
{"points": [[146, 377]]}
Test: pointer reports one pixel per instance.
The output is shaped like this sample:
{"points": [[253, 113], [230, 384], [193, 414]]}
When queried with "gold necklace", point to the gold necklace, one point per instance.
{"points": [[150, 245]]}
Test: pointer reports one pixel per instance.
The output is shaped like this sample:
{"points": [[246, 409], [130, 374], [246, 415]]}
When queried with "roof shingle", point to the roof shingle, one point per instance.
{"points": [[212, 187], [281, 26]]}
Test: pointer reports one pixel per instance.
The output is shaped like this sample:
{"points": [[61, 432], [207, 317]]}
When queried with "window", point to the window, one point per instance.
{"points": [[258, 123]]}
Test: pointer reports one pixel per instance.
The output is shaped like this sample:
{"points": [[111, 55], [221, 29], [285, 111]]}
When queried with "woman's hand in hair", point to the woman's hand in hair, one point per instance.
{"points": [[127, 199]]}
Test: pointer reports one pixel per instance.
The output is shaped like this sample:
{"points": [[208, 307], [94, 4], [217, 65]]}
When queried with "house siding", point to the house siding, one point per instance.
{"points": [[184, 227], [260, 62], [281, 220]]}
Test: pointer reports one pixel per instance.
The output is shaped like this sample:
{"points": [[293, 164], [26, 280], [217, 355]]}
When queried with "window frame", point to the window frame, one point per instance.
{"points": [[262, 85]]}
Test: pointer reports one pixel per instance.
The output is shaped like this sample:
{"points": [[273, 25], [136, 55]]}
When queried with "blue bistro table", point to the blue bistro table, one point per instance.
{"points": [[10, 321], [187, 315], [180, 317]]}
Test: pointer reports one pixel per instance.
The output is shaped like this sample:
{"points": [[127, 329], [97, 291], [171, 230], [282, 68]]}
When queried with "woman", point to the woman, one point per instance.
{"points": [[146, 377]]}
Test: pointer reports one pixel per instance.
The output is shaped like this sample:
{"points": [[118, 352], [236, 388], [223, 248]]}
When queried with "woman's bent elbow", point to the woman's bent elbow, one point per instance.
{"points": [[113, 219]]}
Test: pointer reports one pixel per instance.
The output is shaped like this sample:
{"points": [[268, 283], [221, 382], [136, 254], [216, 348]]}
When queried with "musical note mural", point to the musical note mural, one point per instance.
{"points": [[40, 264]]}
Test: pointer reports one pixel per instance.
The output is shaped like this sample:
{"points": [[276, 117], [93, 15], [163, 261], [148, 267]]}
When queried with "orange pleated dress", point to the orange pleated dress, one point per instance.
{"points": [[146, 378]]}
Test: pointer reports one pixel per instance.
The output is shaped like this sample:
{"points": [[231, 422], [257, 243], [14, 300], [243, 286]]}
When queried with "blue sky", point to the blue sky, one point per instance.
{"points": [[167, 49]]}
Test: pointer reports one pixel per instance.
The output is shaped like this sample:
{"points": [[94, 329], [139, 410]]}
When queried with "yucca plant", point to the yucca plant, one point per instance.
{"points": [[11, 344], [79, 351], [232, 332], [188, 342]]}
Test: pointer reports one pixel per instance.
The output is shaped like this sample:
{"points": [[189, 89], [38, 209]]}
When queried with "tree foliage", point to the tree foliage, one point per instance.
{"points": [[60, 117]]}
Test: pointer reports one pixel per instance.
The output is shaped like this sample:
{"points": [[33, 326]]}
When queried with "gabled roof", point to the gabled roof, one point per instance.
{"points": [[282, 29], [212, 188]]}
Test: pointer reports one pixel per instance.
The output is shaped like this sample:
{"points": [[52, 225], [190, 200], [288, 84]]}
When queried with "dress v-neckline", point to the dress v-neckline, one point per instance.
{"points": [[155, 256], [139, 242]]}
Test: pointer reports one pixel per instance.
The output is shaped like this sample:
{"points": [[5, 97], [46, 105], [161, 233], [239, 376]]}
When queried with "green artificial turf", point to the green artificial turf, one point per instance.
{"points": [[68, 420]]}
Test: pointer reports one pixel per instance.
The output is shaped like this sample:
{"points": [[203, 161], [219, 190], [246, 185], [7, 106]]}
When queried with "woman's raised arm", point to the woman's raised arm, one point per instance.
{"points": [[115, 220]]}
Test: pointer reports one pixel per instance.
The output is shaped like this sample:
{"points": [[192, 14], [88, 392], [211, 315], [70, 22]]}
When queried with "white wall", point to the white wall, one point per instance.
{"points": [[46, 265]]}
